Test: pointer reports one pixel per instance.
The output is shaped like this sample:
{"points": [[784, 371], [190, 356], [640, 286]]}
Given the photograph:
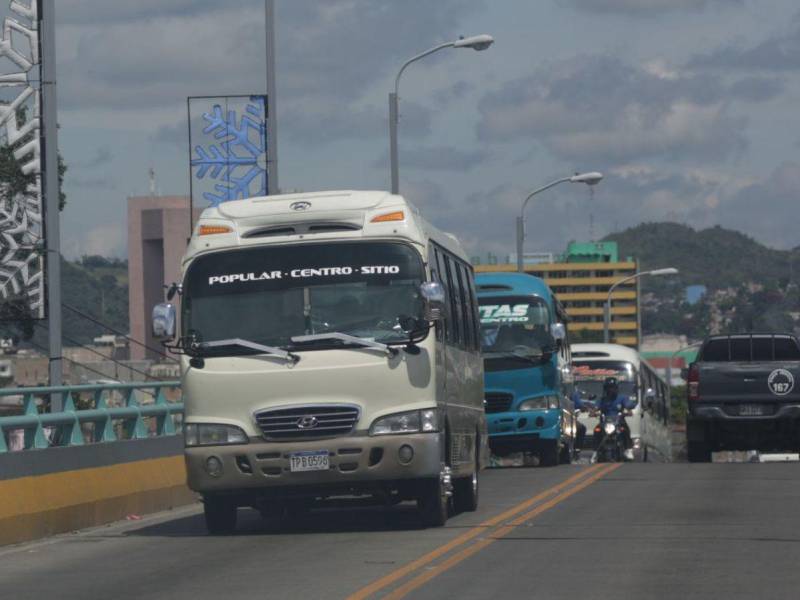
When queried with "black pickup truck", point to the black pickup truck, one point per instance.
{"points": [[742, 395]]}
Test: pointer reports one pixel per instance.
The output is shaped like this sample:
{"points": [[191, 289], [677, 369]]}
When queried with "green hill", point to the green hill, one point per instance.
{"points": [[750, 287], [714, 257], [94, 285]]}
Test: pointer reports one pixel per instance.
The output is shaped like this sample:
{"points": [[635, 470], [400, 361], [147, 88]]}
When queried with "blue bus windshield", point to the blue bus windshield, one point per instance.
{"points": [[515, 331]]}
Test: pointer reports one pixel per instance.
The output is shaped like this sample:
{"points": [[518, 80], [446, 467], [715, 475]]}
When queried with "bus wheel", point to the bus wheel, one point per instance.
{"points": [[433, 501], [466, 490], [548, 455], [567, 452], [220, 514]]}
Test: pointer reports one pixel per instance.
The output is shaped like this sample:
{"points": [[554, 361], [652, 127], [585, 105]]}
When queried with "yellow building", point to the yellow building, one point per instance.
{"points": [[581, 282]]}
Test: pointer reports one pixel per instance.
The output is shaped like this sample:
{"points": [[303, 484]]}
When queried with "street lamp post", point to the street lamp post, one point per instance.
{"points": [[476, 42], [591, 178], [607, 306]]}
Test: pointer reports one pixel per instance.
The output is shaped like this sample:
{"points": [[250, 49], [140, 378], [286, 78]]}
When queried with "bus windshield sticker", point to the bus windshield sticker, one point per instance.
{"points": [[504, 313], [586, 372], [304, 273]]}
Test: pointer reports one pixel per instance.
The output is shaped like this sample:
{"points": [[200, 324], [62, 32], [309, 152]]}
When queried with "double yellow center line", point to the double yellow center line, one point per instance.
{"points": [[512, 518]]}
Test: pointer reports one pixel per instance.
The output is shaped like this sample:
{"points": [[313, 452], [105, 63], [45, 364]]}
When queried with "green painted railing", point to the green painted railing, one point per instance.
{"points": [[93, 413]]}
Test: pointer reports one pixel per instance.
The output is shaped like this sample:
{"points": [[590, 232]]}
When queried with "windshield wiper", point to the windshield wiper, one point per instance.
{"points": [[531, 358], [349, 339], [268, 350]]}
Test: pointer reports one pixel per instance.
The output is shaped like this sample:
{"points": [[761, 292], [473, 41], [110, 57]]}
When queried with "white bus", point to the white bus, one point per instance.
{"points": [[330, 348], [649, 425]]}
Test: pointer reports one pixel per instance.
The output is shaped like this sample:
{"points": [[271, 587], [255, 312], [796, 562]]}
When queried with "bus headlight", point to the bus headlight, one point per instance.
{"points": [[414, 421], [212, 434], [540, 403]]}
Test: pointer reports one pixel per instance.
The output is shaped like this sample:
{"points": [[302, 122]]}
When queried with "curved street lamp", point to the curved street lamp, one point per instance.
{"points": [[607, 306], [476, 42], [590, 178]]}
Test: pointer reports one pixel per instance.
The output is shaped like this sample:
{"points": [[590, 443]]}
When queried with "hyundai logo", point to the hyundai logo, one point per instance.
{"points": [[303, 205], [307, 422]]}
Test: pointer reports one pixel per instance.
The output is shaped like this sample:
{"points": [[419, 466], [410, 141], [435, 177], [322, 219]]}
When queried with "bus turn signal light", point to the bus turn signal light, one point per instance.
{"points": [[213, 229], [392, 216]]}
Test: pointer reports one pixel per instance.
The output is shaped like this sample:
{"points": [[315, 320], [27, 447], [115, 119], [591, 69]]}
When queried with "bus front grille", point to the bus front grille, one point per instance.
{"points": [[496, 402], [322, 420]]}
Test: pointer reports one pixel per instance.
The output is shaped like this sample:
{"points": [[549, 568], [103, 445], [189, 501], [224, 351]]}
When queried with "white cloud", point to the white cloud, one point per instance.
{"points": [[603, 110], [104, 240]]}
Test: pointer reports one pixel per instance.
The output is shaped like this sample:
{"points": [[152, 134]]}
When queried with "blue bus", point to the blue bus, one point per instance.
{"points": [[527, 368]]}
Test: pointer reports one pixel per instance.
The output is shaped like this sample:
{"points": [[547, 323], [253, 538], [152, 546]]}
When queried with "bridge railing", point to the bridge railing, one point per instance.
{"points": [[92, 413]]}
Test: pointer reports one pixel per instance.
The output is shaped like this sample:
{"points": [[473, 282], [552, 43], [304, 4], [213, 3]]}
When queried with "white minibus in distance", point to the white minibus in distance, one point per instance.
{"points": [[330, 347], [649, 425]]}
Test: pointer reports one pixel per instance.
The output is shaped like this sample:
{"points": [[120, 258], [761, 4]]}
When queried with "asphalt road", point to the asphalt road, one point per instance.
{"points": [[632, 531]]}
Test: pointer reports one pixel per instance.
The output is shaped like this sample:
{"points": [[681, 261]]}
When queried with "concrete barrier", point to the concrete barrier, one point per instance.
{"points": [[45, 492]]}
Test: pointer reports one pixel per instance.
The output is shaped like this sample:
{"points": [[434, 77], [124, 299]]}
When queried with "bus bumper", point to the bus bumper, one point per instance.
{"points": [[523, 431], [358, 464]]}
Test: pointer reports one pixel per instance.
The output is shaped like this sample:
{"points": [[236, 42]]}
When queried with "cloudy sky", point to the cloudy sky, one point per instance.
{"points": [[688, 106]]}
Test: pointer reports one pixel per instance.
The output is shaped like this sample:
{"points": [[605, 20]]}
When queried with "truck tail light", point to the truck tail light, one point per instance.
{"points": [[693, 381]]}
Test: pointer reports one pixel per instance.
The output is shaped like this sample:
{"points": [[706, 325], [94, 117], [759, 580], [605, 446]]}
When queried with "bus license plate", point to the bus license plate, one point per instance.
{"points": [[309, 461], [751, 410]]}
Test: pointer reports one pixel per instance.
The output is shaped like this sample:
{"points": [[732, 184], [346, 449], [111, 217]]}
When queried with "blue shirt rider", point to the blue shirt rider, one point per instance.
{"points": [[611, 404]]}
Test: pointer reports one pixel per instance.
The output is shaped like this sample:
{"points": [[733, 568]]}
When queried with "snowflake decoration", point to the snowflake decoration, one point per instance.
{"points": [[21, 230], [237, 160]]}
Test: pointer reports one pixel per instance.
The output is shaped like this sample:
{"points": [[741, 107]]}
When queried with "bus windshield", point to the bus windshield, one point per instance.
{"points": [[270, 294], [589, 377], [515, 331]]}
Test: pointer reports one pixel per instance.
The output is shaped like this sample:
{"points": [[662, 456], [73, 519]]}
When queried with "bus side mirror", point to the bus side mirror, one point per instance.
{"points": [[685, 374], [434, 298], [559, 332], [164, 321]]}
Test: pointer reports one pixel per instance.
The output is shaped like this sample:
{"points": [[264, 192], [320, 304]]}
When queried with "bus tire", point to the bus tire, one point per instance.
{"points": [[698, 452], [433, 503], [567, 452], [220, 515], [548, 455], [466, 490]]}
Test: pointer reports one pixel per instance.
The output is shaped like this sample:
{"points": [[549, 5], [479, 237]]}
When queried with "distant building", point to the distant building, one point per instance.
{"points": [[159, 228], [534, 258], [581, 279]]}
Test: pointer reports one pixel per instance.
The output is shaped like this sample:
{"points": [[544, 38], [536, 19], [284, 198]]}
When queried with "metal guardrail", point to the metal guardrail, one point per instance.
{"points": [[115, 413]]}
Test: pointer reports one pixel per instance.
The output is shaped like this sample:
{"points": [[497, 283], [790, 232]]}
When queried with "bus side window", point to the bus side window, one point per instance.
{"points": [[650, 385], [451, 332], [448, 321], [474, 316], [457, 304], [436, 276], [466, 304]]}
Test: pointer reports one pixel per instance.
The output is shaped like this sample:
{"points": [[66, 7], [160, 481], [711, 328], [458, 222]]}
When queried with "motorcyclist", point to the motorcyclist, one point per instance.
{"points": [[612, 405]]}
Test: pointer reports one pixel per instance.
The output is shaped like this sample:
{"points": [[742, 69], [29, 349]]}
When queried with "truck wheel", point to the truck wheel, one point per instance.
{"points": [[433, 503], [698, 452], [548, 455], [220, 514], [465, 497]]}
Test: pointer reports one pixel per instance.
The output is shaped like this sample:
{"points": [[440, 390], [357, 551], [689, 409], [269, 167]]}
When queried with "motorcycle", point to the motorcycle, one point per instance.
{"points": [[610, 437]]}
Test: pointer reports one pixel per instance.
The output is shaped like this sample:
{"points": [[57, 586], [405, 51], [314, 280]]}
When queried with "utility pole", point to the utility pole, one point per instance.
{"points": [[272, 104], [50, 191]]}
